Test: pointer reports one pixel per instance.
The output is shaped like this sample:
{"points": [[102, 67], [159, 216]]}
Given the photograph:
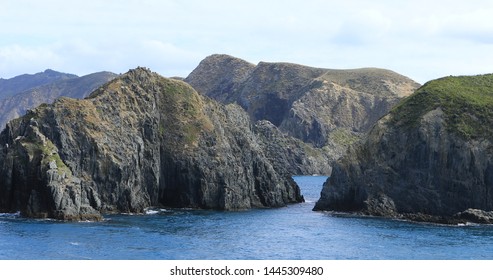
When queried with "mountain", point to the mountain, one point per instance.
{"points": [[140, 140], [429, 159], [9, 87], [323, 107], [19, 102]]}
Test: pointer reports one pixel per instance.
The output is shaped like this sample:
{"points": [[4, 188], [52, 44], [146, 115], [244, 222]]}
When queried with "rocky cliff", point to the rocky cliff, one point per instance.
{"points": [[28, 91], [429, 159], [290, 153], [141, 140], [323, 107]]}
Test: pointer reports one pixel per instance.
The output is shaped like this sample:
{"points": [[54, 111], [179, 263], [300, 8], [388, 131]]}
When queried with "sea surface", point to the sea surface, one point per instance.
{"points": [[293, 232]]}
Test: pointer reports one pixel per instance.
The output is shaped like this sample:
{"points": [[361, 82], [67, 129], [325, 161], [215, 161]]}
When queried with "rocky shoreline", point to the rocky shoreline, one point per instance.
{"points": [[467, 217]]}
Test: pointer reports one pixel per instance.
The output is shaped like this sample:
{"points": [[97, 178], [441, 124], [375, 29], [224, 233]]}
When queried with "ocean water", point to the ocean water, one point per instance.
{"points": [[293, 232]]}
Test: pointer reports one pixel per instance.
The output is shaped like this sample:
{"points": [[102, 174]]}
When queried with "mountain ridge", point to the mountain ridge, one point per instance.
{"points": [[76, 87], [11, 86], [326, 108]]}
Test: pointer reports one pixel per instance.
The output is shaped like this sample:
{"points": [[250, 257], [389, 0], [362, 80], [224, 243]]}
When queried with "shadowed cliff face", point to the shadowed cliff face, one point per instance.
{"points": [[430, 157], [323, 107], [139, 141]]}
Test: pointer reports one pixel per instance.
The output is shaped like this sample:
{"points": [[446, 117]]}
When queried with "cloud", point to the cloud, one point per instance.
{"points": [[475, 26], [422, 39], [16, 59], [364, 27], [82, 57], [165, 57]]}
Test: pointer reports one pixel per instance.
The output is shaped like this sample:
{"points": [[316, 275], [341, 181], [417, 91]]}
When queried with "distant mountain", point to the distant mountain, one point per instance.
{"points": [[327, 108], [429, 159], [12, 86], [21, 98]]}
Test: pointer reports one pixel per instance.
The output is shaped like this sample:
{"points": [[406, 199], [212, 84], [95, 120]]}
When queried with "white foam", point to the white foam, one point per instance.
{"points": [[151, 212], [10, 215]]}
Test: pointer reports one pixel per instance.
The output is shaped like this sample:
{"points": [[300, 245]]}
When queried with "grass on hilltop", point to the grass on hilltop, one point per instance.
{"points": [[467, 102]]}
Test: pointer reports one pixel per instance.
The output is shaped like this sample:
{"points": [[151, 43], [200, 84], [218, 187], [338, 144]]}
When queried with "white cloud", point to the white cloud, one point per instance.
{"points": [[475, 26], [422, 39], [364, 27], [165, 57], [16, 59]]}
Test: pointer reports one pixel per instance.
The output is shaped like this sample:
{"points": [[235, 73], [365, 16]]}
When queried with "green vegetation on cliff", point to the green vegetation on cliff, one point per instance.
{"points": [[467, 102], [185, 111]]}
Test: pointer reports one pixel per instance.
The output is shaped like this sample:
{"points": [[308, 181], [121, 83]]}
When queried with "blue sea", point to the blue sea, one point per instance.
{"points": [[293, 232]]}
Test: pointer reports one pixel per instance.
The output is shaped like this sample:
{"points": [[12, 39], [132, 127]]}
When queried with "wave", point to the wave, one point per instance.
{"points": [[152, 212], [11, 215]]}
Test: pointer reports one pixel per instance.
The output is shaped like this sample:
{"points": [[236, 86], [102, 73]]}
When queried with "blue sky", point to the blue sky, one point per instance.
{"points": [[422, 39]]}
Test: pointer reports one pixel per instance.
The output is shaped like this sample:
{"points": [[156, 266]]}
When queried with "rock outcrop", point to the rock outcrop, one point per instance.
{"points": [[475, 216], [322, 107], [46, 87], [290, 153], [430, 158], [141, 140]]}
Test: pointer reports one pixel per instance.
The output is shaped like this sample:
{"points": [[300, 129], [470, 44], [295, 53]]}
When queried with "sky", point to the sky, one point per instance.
{"points": [[421, 39]]}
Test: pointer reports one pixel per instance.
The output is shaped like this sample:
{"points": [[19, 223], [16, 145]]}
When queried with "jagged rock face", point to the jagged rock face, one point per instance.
{"points": [[328, 109], [431, 156], [291, 153], [305, 102], [64, 85], [139, 141], [271, 88]]}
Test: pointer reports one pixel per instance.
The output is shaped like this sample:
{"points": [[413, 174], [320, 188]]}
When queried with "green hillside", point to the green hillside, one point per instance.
{"points": [[467, 102]]}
